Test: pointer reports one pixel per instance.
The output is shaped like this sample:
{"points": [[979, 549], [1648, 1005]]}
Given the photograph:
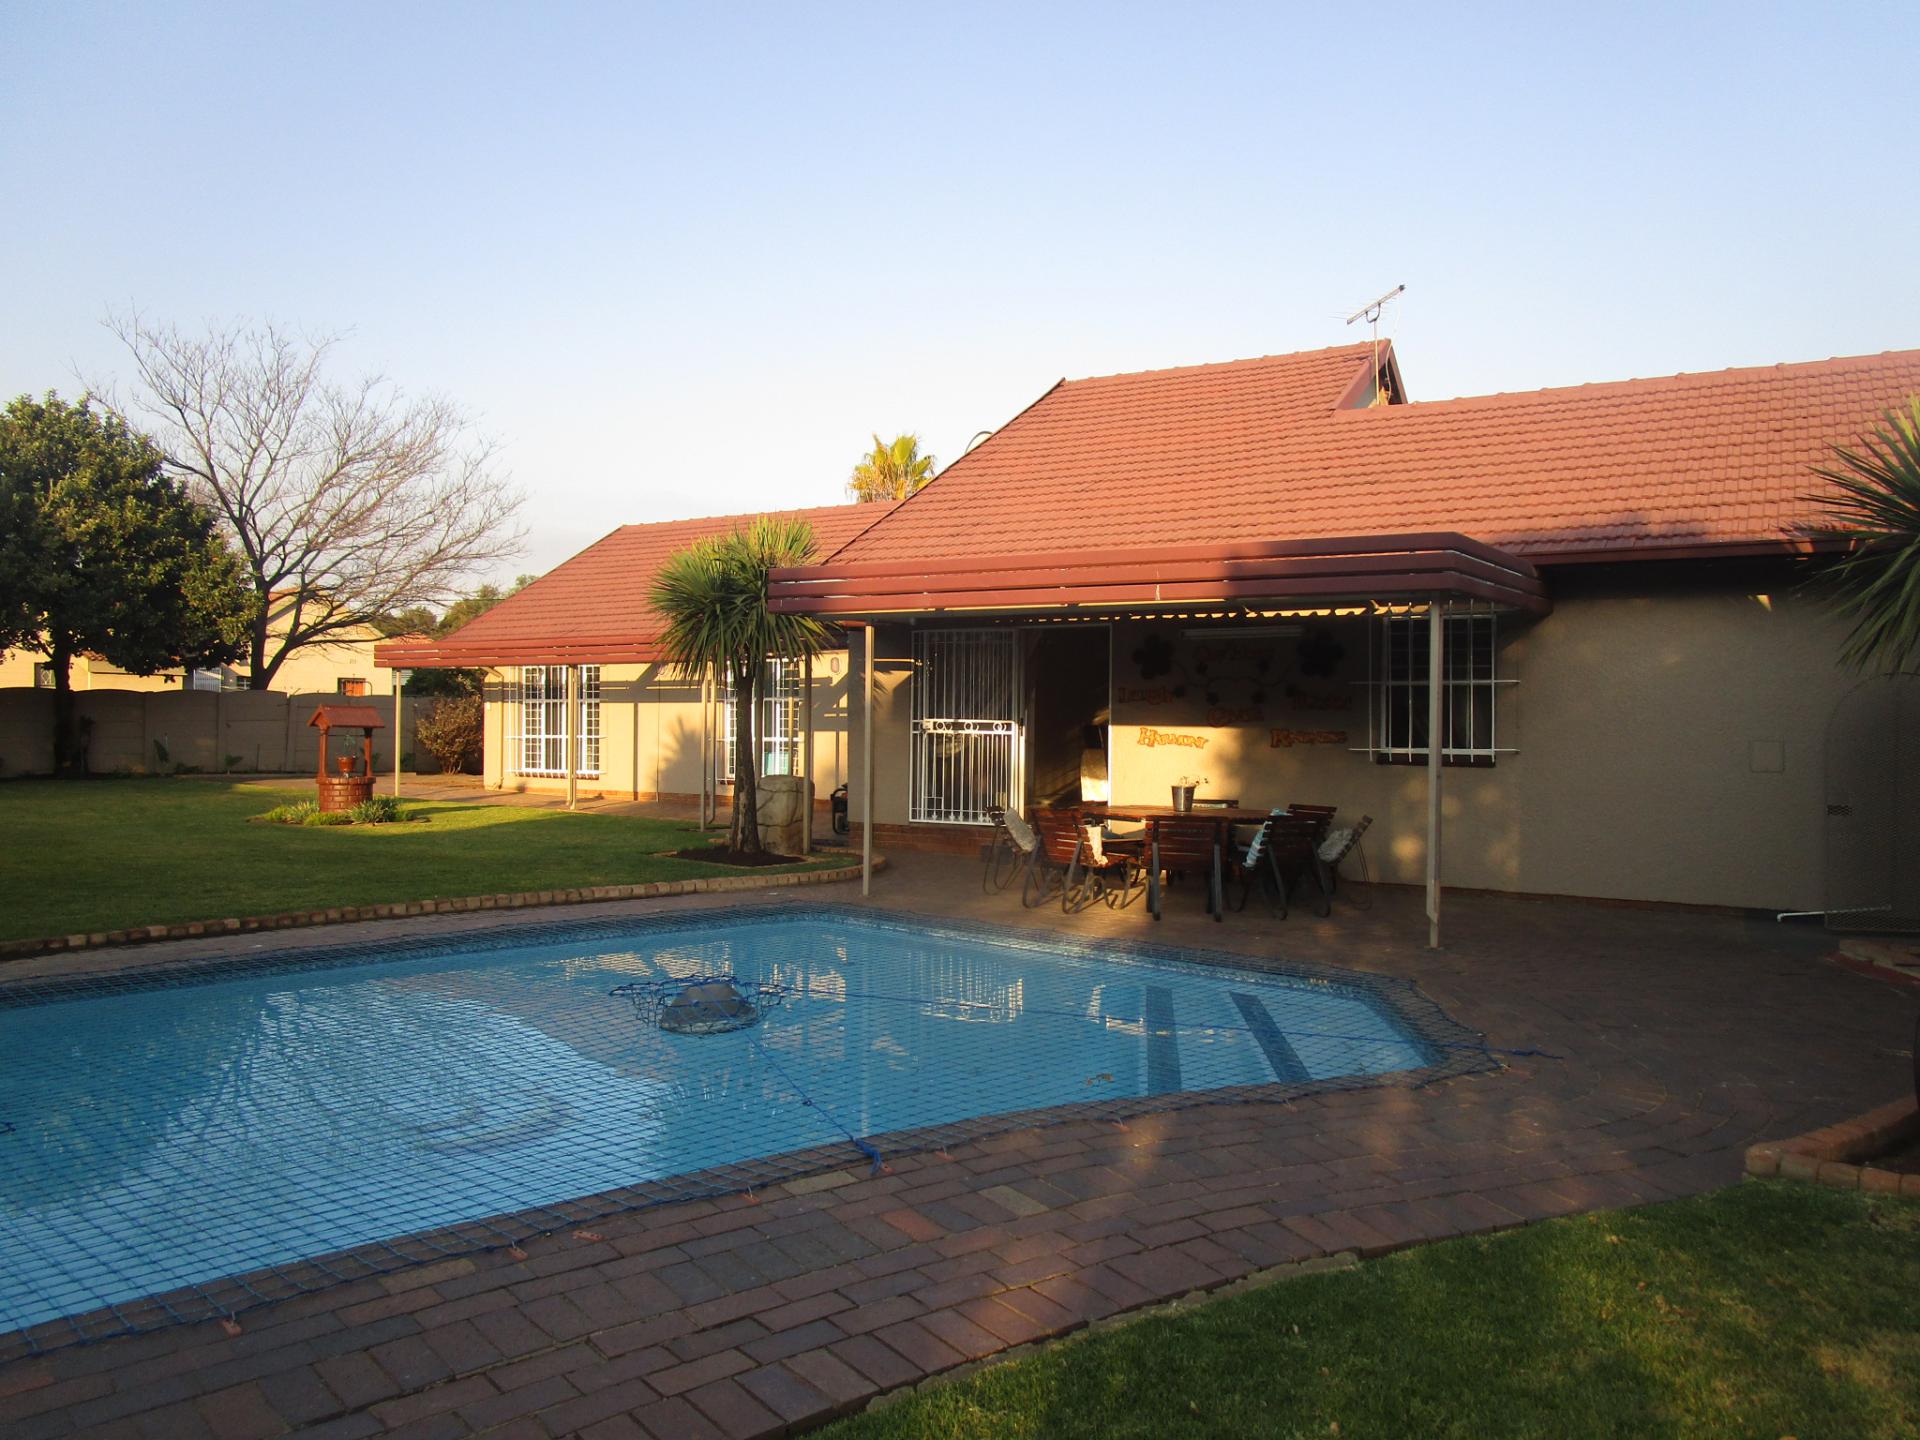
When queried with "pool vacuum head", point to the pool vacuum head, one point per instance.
{"points": [[707, 1005]]}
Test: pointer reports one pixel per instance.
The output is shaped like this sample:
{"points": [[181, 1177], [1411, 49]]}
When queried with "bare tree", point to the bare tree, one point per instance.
{"points": [[347, 502]]}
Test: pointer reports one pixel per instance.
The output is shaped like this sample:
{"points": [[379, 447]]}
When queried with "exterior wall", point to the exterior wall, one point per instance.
{"points": [[207, 730], [1670, 731], [650, 734]]}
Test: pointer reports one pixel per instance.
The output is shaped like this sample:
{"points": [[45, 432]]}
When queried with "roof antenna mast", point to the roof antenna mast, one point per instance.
{"points": [[1370, 312]]}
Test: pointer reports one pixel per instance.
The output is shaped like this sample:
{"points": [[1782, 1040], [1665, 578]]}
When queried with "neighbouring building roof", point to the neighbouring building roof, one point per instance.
{"points": [[1286, 448], [596, 608]]}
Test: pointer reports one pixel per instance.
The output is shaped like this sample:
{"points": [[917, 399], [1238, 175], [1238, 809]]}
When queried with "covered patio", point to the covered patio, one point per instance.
{"points": [[978, 673]]}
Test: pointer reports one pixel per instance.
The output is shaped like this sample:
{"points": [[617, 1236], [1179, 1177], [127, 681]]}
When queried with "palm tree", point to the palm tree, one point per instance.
{"points": [[891, 471], [1875, 508], [714, 597]]}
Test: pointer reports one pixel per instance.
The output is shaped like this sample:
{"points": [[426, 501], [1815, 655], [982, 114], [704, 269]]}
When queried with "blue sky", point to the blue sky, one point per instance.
{"points": [[682, 259]]}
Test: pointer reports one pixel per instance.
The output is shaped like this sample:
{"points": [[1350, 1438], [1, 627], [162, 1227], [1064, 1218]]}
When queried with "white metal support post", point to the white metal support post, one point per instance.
{"points": [[805, 766], [1436, 744], [706, 746], [570, 732], [400, 678], [867, 637]]}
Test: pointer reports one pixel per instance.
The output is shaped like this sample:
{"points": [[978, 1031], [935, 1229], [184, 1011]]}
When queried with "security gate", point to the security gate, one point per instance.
{"points": [[1873, 807], [967, 741]]}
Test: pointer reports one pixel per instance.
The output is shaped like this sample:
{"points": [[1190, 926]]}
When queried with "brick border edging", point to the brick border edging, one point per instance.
{"points": [[402, 909], [1835, 1154]]}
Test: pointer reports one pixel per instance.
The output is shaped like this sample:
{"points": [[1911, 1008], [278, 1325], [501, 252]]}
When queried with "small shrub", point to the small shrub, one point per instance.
{"points": [[377, 810], [380, 810], [452, 733], [231, 762]]}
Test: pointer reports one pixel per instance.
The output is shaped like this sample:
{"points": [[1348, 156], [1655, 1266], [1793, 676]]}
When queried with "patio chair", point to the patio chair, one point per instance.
{"points": [[1070, 860], [1285, 846], [1010, 852], [1322, 815], [1056, 842], [1183, 845], [1340, 843], [1113, 866]]}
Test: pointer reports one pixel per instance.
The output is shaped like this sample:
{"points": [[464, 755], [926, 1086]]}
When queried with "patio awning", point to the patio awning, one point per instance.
{"points": [[551, 649], [1225, 577]]}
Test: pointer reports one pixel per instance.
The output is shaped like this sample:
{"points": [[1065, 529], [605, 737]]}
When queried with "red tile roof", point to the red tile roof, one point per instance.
{"points": [[595, 608], [1271, 449]]}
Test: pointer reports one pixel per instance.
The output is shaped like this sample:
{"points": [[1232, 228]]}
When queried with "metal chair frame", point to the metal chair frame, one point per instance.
{"points": [[1175, 844], [1288, 840], [1006, 858]]}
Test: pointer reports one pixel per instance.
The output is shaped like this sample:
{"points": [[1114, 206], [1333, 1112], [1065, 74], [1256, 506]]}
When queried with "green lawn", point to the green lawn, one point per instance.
{"points": [[1767, 1310], [110, 854]]}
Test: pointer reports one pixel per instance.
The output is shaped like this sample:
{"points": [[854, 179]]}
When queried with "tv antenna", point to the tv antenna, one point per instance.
{"points": [[1370, 312]]}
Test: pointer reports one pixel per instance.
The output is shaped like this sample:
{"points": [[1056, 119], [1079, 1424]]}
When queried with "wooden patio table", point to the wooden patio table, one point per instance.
{"points": [[1224, 818], [1224, 815]]}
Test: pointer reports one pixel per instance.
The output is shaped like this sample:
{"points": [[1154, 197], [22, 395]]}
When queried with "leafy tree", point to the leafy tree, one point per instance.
{"points": [[714, 597], [1875, 507], [452, 732], [347, 501], [104, 554], [891, 470], [414, 620]]}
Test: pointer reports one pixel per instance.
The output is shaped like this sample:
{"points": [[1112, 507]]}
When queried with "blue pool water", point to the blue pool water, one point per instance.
{"points": [[157, 1138]]}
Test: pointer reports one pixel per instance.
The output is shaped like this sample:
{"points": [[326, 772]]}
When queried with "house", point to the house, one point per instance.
{"points": [[27, 668], [340, 665], [1252, 574], [636, 728]]}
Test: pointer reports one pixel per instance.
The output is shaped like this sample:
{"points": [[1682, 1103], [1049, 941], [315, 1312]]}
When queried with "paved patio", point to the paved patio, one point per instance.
{"points": [[1685, 1037]]}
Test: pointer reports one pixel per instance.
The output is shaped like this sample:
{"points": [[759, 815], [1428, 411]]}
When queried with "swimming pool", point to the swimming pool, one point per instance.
{"points": [[162, 1133]]}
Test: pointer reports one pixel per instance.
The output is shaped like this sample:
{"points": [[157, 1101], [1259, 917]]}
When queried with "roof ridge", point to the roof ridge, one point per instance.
{"points": [[1679, 379], [1244, 362], [884, 506]]}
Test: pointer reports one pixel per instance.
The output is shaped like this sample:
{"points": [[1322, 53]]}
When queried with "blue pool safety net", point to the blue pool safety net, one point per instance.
{"points": [[186, 1141]]}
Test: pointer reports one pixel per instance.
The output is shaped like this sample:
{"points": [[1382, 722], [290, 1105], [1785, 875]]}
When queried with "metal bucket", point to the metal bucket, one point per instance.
{"points": [[1183, 797]]}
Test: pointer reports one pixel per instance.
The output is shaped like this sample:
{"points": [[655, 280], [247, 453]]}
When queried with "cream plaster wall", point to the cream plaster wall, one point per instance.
{"points": [[1670, 733], [650, 733]]}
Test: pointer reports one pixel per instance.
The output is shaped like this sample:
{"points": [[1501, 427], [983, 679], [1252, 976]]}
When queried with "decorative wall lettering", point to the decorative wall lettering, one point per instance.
{"points": [[1322, 699], [1235, 715], [1150, 737], [1286, 739]]}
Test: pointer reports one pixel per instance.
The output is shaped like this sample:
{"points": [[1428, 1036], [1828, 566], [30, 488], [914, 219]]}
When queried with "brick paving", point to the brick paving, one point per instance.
{"points": [[1685, 1038]]}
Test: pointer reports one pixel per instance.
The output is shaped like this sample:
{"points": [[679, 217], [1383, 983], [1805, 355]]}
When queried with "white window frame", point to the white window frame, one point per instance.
{"points": [[968, 730], [538, 724], [1397, 689], [777, 724]]}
